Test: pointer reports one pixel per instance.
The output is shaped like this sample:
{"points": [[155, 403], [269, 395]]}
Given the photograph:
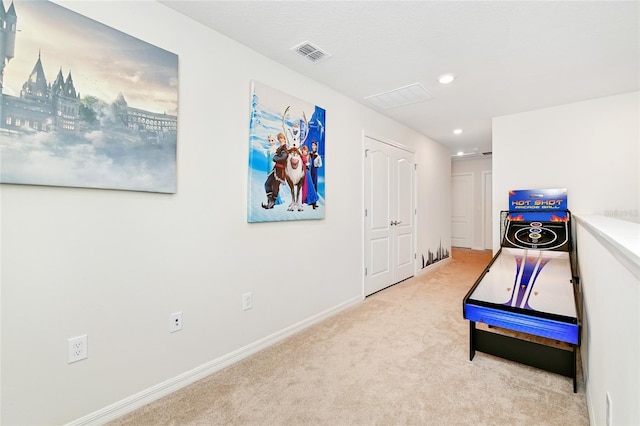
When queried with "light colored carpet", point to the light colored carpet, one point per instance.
{"points": [[399, 358]]}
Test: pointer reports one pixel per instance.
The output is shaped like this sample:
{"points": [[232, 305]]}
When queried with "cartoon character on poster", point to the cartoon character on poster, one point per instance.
{"points": [[286, 157]]}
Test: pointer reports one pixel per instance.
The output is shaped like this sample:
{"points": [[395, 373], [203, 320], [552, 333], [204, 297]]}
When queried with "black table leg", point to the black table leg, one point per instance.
{"points": [[472, 347]]}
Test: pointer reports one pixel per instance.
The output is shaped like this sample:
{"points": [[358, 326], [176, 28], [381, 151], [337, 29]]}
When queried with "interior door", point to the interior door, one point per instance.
{"points": [[488, 209], [389, 189], [404, 213], [461, 209]]}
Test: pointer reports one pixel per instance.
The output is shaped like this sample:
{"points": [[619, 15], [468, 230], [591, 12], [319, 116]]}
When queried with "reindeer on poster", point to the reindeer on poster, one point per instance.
{"points": [[295, 169]]}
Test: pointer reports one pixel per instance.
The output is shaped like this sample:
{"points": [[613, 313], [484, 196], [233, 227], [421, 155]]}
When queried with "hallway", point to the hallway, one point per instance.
{"points": [[400, 357]]}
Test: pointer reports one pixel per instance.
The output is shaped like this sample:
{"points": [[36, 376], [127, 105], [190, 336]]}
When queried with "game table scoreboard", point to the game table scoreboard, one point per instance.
{"points": [[529, 287]]}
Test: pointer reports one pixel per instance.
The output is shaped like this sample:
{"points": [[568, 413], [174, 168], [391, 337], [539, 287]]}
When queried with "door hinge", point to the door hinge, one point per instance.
{"points": [[365, 212], [366, 153], [365, 272]]}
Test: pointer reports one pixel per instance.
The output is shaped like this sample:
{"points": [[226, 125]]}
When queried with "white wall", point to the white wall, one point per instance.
{"points": [[592, 148], [610, 276], [477, 167], [434, 200], [115, 264]]}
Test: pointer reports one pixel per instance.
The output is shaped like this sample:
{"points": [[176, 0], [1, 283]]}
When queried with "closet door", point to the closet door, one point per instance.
{"points": [[389, 215]]}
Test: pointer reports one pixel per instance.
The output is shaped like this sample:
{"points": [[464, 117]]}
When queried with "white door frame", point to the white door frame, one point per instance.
{"points": [[415, 199]]}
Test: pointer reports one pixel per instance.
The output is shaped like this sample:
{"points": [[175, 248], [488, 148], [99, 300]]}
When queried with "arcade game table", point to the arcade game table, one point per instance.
{"points": [[529, 287]]}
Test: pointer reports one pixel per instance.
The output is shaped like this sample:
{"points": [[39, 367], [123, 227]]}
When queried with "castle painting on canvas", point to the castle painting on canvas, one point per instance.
{"points": [[83, 104]]}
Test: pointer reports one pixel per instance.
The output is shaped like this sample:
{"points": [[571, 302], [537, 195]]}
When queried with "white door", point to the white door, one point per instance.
{"points": [[488, 209], [461, 209], [389, 193]]}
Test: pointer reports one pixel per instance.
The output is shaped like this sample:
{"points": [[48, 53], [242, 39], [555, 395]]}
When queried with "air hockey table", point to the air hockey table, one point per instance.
{"points": [[529, 287]]}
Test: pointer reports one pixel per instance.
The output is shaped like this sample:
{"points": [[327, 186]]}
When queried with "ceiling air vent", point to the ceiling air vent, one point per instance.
{"points": [[487, 153], [465, 155], [399, 97], [310, 51]]}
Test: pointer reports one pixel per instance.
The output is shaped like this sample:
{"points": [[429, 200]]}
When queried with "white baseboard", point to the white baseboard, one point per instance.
{"points": [[156, 392]]}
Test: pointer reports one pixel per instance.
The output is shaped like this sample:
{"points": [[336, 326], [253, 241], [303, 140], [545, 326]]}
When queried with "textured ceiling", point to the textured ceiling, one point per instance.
{"points": [[508, 56]]}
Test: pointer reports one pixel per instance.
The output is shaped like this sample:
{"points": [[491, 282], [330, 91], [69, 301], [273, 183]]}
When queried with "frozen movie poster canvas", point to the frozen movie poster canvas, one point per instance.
{"points": [[286, 157], [83, 104]]}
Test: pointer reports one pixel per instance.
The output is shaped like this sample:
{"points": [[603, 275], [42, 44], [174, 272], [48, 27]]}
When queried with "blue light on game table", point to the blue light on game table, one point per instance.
{"points": [[543, 327]]}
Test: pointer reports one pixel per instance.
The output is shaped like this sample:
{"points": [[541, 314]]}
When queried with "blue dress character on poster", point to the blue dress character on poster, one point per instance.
{"points": [[315, 162], [309, 193]]}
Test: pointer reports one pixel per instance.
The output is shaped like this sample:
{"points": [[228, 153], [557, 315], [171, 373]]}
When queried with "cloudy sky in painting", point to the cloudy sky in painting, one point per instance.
{"points": [[103, 61]]}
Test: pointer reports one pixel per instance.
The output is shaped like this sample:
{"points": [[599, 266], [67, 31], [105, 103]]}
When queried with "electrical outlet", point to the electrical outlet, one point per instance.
{"points": [[77, 348], [175, 322], [247, 301]]}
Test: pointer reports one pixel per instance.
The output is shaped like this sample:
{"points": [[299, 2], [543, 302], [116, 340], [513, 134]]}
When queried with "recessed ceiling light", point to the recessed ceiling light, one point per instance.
{"points": [[446, 78], [460, 153], [457, 131]]}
